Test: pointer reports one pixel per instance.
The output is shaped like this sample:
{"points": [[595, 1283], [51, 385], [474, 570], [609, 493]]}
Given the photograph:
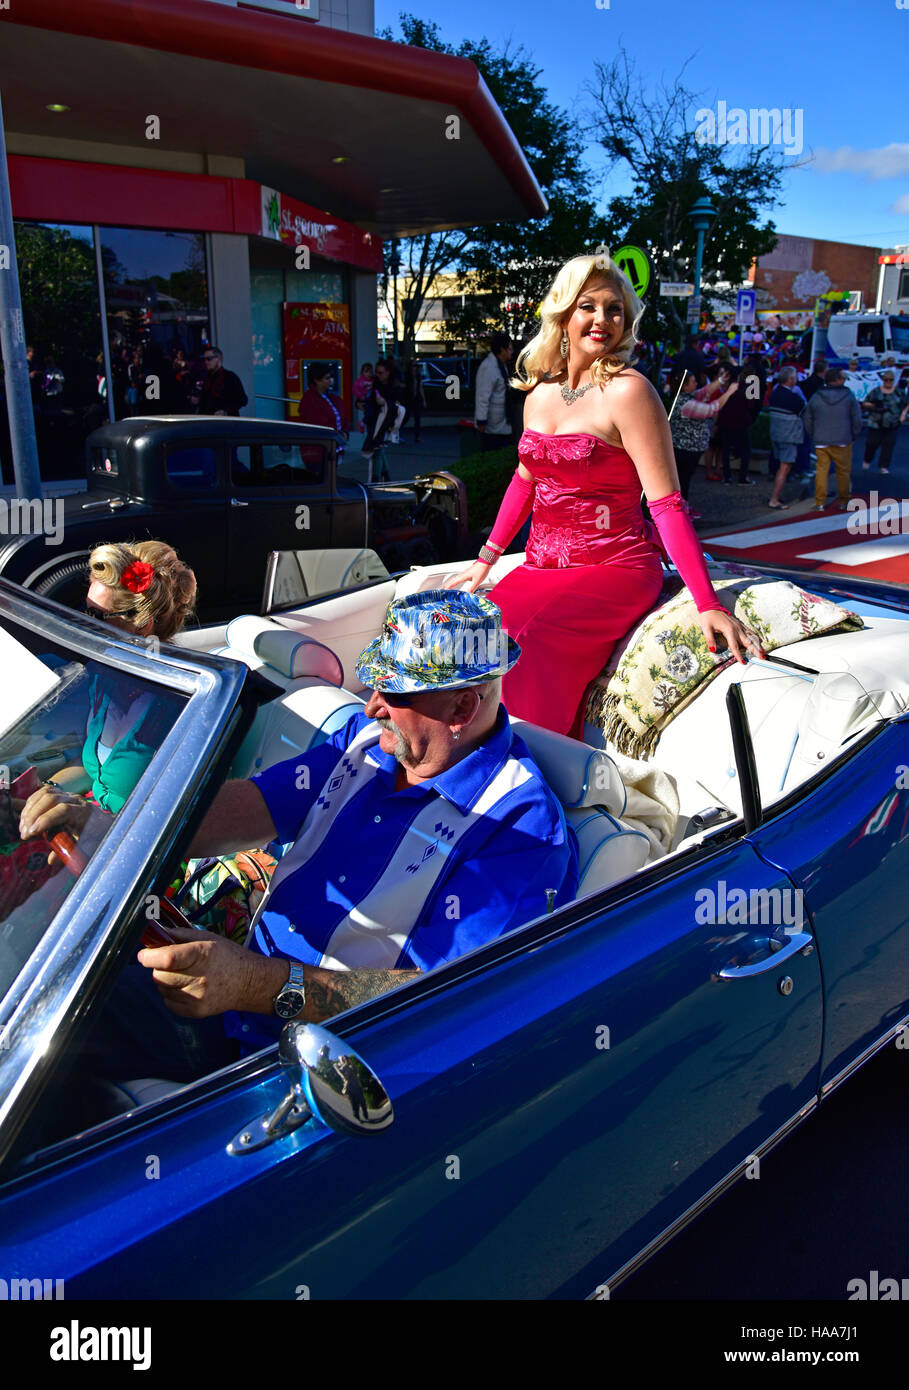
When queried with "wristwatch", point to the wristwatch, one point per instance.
{"points": [[291, 997]]}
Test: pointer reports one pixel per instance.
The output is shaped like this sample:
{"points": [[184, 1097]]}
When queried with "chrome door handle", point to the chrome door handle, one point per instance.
{"points": [[799, 942], [235, 502]]}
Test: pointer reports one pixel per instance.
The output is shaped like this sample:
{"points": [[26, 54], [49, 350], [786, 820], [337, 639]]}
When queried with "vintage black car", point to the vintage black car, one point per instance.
{"points": [[226, 493]]}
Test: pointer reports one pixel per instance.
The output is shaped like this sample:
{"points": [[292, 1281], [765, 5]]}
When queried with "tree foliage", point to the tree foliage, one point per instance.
{"points": [[505, 268], [650, 135]]}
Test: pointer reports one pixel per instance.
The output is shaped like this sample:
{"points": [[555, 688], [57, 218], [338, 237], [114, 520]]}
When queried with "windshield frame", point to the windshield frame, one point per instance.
{"points": [[80, 952]]}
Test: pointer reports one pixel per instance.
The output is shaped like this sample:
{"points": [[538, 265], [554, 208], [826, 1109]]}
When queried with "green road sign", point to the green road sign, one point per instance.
{"points": [[636, 265]]}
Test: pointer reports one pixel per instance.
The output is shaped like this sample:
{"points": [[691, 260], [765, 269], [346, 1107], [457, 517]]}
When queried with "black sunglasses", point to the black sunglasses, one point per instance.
{"points": [[105, 614]]}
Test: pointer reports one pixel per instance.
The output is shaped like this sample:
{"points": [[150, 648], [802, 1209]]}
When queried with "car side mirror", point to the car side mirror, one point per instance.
{"points": [[339, 1088], [329, 1080]]}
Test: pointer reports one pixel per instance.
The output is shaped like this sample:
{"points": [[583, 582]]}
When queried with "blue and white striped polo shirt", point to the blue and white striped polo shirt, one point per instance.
{"points": [[392, 879]]}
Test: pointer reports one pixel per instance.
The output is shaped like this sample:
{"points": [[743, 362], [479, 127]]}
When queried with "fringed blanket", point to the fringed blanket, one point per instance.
{"points": [[665, 663]]}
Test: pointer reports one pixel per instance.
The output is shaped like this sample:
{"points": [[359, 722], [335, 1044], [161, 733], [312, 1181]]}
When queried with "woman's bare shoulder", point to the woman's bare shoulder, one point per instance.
{"points": [[631, 389], [536, 399]]}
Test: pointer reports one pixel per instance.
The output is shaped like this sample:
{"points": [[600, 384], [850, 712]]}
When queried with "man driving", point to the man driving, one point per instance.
{"points": [[419, 831]]}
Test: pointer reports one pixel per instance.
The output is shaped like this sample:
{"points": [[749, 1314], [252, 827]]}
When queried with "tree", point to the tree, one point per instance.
{"points": [[649, 133], [504, 269]]}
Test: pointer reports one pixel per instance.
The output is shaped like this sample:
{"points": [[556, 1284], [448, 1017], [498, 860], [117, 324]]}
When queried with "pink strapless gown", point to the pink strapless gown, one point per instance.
{"points": [[592, 568]]}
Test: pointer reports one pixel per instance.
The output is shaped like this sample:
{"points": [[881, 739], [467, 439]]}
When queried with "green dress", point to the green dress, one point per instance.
{"points": [[113, 780]]}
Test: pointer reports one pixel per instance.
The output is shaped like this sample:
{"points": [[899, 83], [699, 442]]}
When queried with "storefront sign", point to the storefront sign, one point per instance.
{"points": [[298, 224]]}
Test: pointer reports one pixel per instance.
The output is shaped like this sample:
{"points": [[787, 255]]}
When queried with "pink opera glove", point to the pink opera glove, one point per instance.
{"points": [[514, 511], [683, 548]]}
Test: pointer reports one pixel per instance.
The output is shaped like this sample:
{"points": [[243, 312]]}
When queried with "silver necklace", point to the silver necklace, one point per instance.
{"points": [[570, 394]]}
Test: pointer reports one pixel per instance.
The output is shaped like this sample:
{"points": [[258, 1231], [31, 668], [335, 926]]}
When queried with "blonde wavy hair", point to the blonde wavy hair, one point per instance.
{"points": [[169, 600], [542, 357]]}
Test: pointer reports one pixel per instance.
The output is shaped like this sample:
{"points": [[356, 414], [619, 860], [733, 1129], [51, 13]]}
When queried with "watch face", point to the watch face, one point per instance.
{"points": [[289, 1003]]}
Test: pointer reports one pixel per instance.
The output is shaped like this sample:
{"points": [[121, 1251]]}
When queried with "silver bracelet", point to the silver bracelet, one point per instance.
{"points": [[487, 556]]}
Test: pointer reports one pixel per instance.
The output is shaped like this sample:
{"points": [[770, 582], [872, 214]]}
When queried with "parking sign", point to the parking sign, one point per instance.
{"points": [[745, 302]]}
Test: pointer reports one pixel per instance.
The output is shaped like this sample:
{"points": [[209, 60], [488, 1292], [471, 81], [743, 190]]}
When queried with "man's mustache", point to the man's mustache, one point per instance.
{"points": [[403, 750]]}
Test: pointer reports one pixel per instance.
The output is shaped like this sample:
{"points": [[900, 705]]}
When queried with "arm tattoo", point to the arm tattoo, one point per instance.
{"points": [[338, 990]]}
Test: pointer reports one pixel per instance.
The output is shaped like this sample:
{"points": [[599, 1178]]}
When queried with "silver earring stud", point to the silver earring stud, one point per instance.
{"points": [[456, 734]]}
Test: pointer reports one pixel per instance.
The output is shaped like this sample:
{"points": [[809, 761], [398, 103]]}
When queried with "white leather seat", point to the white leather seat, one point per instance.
{"points": [[797, 721], [280, 652], [307, 715]]}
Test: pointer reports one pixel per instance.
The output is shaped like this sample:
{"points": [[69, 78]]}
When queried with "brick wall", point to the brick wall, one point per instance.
{"points": [[849, 267]]}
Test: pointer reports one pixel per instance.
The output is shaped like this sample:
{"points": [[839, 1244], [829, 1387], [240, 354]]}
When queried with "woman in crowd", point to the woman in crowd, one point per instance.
{"points": [[595, 434], [734, 429], [361, 389], [695, 410], [887, 407], [144, 589], [380, 412]]}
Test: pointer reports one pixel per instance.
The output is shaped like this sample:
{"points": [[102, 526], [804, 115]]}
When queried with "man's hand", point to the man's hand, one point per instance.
{"points": [[204, 974]]}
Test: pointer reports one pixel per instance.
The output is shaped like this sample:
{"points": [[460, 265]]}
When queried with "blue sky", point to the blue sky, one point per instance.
{"points": [[841, 64]]}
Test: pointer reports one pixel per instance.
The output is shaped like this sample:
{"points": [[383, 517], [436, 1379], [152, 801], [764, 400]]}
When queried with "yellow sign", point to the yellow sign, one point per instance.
{"points": [[636, 265]]}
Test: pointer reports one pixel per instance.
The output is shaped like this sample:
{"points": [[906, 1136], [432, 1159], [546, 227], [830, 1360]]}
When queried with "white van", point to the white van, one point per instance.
{"points": [[869, 337]]}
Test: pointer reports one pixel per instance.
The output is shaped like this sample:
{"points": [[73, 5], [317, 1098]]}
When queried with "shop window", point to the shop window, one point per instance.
{"points": [[156, 287], [62, 316]]}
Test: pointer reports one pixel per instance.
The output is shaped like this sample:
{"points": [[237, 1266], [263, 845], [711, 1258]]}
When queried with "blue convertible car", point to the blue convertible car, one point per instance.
{"points": [[531, 1120]]}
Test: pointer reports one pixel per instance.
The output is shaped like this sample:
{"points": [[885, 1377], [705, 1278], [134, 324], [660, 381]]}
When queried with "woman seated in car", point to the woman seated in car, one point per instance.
{"points": [[144, 589]]}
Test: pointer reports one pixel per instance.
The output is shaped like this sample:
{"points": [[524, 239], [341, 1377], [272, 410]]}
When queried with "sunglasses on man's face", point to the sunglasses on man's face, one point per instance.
{"points": [[398, 700]]}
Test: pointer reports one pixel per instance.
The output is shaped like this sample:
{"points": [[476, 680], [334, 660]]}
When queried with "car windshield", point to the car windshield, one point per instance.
{"points": [[94, 729]]}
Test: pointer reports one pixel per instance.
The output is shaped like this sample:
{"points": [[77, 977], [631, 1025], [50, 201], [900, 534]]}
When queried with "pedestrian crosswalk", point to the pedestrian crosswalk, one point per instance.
{"points": [[871, 541]]}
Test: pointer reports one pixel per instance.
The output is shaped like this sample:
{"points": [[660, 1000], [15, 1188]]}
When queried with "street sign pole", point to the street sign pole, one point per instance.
{"points": [[745, 303], [12, 344]]}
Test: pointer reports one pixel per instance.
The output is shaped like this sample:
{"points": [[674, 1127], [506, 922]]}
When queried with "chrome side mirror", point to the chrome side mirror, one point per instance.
{"points": [[339, 1088]]}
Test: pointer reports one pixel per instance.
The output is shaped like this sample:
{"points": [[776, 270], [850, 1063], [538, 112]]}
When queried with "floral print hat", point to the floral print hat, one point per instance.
{"points": [[438, 640]]}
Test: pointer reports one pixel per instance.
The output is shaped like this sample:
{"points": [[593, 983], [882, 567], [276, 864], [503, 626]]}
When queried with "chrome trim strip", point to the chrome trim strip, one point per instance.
{"points": [[702, 1203], [865, 1056]]}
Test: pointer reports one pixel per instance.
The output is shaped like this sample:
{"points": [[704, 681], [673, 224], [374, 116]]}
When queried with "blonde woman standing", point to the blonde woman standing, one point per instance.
{"points": [[595, 435]]}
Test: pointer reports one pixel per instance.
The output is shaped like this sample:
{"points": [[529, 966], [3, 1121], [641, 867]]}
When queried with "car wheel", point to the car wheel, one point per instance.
{"points": [[66, 584]]}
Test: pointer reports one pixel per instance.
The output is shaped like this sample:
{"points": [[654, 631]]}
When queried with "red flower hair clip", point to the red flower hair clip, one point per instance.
{"points": [[137, 577]]}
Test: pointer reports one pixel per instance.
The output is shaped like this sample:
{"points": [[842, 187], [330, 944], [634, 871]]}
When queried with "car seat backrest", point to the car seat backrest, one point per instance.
{"points": [[589, 787], [293, 655]]}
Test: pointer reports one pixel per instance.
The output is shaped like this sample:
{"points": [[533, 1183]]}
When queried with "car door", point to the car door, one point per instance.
{"points": [[280, 499], [190, 512], [562, 1097], [846, 845]]}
